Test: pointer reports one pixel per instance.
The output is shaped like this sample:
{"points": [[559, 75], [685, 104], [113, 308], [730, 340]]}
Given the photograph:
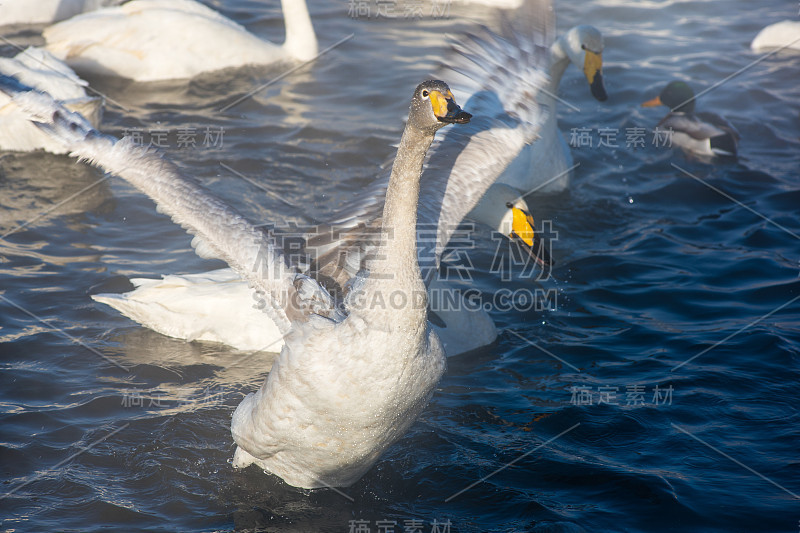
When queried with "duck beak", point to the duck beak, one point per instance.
{"points": [[593, 70], [653, 103], [446, 109], [522, 228]]}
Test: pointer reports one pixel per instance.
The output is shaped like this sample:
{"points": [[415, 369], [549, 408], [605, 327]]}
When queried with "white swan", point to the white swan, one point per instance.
{"points": [[46, 11], [310, 423], [543, 166], [39, 69], [218, 306], [784, 34], [150, 40], [500, 4]]}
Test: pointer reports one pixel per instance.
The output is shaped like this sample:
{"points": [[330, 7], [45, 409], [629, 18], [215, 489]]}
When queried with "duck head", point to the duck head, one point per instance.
{"points": [[677, 95]]}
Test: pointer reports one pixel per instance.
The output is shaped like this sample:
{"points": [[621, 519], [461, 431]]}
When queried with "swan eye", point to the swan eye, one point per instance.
{"points": [[425, 93], [583, 47]]}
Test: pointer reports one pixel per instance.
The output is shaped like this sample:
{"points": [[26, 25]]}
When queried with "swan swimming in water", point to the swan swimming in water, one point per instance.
{"points": [[151, 40], [46, 11], [784, 34], [310, 422], [39, 69], [544, 165], [219, 306]]}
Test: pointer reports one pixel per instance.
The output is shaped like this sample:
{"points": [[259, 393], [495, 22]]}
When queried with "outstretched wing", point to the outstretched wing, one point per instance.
{"points": [[501, 74], [219, 231]]}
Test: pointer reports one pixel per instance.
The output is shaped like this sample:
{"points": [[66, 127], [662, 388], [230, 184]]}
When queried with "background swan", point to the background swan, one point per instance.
{"points": [[150, 40], [46, 11], [501, 4], [542, 166], [39, 69], [310, 422], [784, 34], [218, 306]]}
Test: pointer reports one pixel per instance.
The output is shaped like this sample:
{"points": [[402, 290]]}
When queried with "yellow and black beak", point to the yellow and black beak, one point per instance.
{"points": [[522, 228], [653, 103], [446, 109], [593, 70]]}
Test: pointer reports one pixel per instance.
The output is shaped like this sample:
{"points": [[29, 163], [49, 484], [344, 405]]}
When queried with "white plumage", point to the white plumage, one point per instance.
{"points": [[150, 40], [39, 69], [311, 422], [784, 34], [460, 168], [544, 165], [46, 11]]}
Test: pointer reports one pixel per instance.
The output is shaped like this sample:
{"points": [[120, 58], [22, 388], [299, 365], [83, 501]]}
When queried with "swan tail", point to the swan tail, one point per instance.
{"points": [[213, 306]]}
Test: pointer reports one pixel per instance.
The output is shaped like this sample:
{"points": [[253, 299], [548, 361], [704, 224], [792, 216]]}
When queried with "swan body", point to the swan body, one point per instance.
{"points": [[46, 11], [38, 68], [784, 34], [311, 422], [544, 165], [460, 170], [703, 135], [151, 40], [219, 306], [501, 4]]}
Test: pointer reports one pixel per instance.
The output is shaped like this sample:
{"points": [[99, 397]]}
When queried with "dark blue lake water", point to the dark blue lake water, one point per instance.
{"points": [[657, 391]]}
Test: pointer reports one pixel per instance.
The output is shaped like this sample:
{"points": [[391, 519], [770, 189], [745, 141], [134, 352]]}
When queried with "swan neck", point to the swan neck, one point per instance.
{"points": [[559, 61], [301, 42], [397, 260]]}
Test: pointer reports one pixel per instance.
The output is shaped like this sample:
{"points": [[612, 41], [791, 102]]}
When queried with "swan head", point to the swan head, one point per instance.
{"points": [[677, 95], [433, 106], [504, 210], [584, 47]]}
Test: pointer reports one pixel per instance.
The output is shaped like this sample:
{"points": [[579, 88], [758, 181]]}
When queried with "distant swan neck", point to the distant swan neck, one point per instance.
{"points": [[301, 42], [559, 61]]}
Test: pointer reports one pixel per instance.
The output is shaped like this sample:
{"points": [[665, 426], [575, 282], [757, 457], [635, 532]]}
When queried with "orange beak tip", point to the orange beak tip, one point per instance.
{"points": [[652, 103]]}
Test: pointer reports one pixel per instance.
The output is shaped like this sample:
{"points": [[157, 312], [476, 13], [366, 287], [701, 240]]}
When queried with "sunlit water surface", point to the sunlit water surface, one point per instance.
{"points": [[657, 393]]}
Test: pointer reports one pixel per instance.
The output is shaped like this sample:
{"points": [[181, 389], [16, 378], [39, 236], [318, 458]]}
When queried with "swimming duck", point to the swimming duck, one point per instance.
{"points": [[310, 422], [39, 69], [151, 40], [784, 34], [702, 135]]}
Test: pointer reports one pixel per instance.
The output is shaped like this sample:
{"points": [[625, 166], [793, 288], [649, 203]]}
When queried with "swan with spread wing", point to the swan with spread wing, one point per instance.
{"points": [[460, 170], [309, 423]]}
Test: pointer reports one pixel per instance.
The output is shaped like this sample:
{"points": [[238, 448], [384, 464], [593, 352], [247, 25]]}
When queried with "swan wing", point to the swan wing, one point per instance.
{"points": [[219, 231], [503, 72]]}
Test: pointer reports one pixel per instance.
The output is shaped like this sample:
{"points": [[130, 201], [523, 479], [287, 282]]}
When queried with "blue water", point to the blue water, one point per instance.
{"points": [[656, 393]]}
